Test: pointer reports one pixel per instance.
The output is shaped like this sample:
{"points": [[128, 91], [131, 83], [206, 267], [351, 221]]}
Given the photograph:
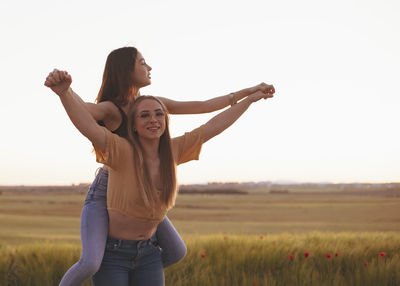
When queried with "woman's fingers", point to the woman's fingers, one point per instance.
{"points": [[266, 88], [271, 89], [50, 81], [54, 78], [66, 76], [56, 75]]}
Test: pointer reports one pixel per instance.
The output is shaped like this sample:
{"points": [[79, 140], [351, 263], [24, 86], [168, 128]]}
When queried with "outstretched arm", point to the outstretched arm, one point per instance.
{"points": [[76, 109], [217, 103], [103, 111], [222, 121]]}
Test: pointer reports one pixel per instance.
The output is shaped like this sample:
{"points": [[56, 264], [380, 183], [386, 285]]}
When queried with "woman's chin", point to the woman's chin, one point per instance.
{"points": [[146, 83]]}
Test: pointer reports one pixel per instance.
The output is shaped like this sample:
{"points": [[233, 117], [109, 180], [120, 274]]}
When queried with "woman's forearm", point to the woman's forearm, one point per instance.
{"points": [[220, 102], [222, 121], [82, 119], [103, 111], [239, 95], [213, 104], [197, 107]]}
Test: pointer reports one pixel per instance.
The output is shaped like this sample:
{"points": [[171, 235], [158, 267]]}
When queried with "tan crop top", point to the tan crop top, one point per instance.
{"points": [[123, 193]]}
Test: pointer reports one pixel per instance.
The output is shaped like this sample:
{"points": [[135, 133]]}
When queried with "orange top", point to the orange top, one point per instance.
{"points": [[123, 193]]}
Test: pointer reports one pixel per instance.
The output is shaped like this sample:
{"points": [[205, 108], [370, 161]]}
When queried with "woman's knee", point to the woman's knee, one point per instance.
{"points": [[175, 256], [181, 252]]}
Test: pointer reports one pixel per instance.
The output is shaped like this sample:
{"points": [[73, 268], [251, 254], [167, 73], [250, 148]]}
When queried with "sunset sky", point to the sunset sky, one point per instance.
{"points": [[335, 66]]}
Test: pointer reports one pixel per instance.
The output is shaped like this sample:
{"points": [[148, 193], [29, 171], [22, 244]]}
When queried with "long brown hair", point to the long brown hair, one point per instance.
{"points": [[117, 84], [167, 165]]}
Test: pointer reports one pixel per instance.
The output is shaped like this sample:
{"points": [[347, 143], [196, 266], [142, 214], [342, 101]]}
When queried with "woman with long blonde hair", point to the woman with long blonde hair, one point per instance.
{"points": [[110, 112]]}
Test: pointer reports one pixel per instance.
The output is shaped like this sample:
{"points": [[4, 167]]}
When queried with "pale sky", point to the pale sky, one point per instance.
{"points": [[335, 66]]}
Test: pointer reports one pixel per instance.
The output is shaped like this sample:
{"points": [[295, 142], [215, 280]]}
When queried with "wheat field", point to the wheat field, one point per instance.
{"points": [[291, 236]]}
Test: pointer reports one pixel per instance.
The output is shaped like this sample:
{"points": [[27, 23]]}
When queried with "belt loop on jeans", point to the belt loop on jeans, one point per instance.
{"points": [[117, 244]]}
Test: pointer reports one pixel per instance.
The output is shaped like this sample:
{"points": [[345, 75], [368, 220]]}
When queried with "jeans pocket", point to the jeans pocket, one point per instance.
{"points": [[156, 247]]}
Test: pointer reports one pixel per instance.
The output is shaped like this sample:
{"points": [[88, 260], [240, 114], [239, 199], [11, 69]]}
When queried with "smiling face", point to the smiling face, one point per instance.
{"points": [[150, 119], [141, 76]]}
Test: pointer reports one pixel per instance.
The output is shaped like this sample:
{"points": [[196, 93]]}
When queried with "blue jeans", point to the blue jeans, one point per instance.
{"points": [[130, 263], [94, 230]]}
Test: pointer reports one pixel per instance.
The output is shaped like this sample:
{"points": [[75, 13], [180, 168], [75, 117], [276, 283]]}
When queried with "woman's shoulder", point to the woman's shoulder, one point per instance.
{"points": [[115, 139], [192, 137], [113, 115], [109, 105]]}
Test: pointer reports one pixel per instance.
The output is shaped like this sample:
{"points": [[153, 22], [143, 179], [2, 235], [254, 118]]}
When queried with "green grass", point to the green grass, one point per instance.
{"points": [[39, 238], [244, 260], [237, 260]]}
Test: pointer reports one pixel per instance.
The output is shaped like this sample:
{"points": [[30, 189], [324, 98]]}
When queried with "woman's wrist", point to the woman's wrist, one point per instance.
{"points": [[252, 89], [64, 93], [232, 98], [246, 92], [247, 101]]}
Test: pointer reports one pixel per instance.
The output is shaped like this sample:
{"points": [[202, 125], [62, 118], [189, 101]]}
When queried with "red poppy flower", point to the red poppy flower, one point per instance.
{"points": [[336, 254], [382, 254], [225, 237], [306, 254], [291, 256], [203, 255], [272, 269], [328, 256], [366, 263], [261, 236]]}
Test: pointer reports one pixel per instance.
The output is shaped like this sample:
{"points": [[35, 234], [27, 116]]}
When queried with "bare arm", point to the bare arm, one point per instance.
{"points": [[222, 121], [104, 111], [217, 103], [77, 111]]}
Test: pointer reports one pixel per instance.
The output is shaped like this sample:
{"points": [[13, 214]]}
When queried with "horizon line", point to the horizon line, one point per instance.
{"points": [[277, 182]]}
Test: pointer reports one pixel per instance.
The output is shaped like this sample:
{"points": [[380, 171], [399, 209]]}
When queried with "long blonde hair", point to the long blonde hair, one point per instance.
{"points": [[167, 165]]}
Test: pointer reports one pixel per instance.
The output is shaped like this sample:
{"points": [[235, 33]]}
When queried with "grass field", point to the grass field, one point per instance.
{"points": [[344, 259], [243, 237], [53, 215]]}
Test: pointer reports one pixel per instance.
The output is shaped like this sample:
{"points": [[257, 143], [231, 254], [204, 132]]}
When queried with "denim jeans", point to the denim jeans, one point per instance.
{"points": [[94, 230], [130, 263]]}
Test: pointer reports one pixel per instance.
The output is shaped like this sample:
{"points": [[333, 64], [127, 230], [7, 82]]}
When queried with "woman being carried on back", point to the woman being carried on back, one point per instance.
{"points": [[125, 73]]}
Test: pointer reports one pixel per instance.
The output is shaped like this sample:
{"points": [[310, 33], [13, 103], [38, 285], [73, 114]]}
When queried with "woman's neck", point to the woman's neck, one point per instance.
{"points": [[135, 93], [150, 147]]}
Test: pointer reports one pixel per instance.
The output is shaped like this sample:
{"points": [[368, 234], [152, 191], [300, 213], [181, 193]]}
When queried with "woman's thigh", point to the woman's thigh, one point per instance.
{"points": [[94, 220], [114, 270], [171, 243]]}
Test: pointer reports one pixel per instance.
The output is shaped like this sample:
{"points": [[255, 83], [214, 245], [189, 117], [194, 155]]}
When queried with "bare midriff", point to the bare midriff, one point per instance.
{"points": [[123, 227]]}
